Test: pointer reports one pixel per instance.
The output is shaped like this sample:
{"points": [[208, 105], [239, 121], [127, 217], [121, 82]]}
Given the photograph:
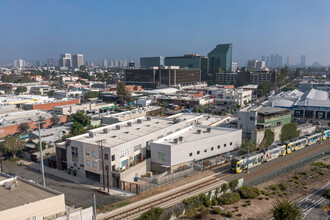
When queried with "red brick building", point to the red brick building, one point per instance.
{"points": [[48, 106]]}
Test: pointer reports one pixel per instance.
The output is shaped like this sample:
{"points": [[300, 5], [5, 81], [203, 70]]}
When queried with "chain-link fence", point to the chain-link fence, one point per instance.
{"points": [[286, 169]]}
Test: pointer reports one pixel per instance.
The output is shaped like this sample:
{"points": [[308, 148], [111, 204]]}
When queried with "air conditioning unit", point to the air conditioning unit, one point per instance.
{"points": [[199, 131], [149, 118], [106, 131], [176, 141], [139, 121], [208, 130], [129, 124], [118, 127], [180, 138], [91, 134]]}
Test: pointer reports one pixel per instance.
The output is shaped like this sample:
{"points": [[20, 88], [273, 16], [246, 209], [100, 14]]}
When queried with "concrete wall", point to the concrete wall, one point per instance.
{"points": [[180, 153], [78, 214], [39, 209], [137, 170]]}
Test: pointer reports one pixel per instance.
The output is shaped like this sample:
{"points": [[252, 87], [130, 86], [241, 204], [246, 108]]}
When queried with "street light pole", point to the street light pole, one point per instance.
{"points": [[41, 155], [1, 168]]}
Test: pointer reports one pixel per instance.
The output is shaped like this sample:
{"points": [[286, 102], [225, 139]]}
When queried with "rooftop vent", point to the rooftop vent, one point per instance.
{"points": [[118, 127], [175, 141], [199, 131], [208, 130], [129, 124], [139, 121], [180, 138], [105, 130], [149, 118]]}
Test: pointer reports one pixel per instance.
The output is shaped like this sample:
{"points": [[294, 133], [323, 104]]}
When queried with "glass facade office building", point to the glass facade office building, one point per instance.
{"points": [[148, 62], [220, 58], [190, 61]]}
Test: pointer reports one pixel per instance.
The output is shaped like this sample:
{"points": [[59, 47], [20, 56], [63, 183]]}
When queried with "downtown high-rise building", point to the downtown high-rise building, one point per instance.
{"points": [[77, 60], [65, 60], [51, 62], [303, 61], [273, 61], [19, 63], [105, 63], [220, 59], [288, 61]]}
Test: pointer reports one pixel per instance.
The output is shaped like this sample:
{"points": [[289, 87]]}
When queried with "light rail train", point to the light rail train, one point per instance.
{"points": [[255, 158]]}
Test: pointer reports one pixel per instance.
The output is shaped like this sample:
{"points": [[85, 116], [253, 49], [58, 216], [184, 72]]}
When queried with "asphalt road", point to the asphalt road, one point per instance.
{"points": [[75, 194], [312, 205]]}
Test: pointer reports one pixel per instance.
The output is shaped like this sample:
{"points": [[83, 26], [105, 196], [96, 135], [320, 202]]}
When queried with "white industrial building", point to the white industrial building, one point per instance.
{"points": [[233, 96], [193, 143], [128, 145]]}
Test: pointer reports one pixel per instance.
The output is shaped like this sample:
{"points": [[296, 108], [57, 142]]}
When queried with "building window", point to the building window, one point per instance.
{"points": [[88, 163], [212, 148], [205, 150], [190, 154], [137, 147], [198, 152], [87, 152], [106, 156], [113, 168], [94, 164], [218, 146], [279, 123], [225, 145], [34, 218], [161, 157], [231, 143], [94, 153], [113, 157], [123, 153]]}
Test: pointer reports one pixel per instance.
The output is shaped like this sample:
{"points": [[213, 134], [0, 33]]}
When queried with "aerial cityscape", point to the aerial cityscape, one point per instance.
{"points": [[166, 110]]}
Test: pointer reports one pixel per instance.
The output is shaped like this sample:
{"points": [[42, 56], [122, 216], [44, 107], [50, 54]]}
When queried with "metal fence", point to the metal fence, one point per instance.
{"points": [[286, 169]]}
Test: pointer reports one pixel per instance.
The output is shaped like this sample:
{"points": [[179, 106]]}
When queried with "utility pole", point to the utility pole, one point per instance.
{"points": [[41, 156], [247, 168], [100, 142], [107, 168], [94, 207]]}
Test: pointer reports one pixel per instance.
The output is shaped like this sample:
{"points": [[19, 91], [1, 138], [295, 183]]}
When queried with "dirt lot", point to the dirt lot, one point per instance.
{"points": [[296, 183]]}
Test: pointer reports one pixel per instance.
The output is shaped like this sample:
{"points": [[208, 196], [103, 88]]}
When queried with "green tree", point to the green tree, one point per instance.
{"points": [[152, 214], [21, 89], [82, 82], [286, 210], [81, 118], [233, 185], [92, 94], [43, 145], [289, 131], [24, 127], [77, 129], [247, 144], [264, 88], [123, 93], [224, 187], [51, 93], [270, 137], [12, 144]]}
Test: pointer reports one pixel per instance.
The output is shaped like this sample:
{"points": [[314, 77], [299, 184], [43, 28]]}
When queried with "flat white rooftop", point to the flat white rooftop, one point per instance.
{"points": [[127, 133]]}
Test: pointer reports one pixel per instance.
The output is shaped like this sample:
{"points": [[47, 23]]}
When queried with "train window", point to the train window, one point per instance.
{"points": [[198, 152], [218, 146], [205, 150], [231, 143], [225, 145], [190, 154], [212, 148]]}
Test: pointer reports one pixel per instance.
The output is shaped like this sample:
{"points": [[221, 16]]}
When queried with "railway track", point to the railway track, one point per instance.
{"points": [[176, 196]]}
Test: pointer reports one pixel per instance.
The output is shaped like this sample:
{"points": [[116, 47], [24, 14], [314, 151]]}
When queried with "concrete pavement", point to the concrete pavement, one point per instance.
{"points": [[312, 205]]}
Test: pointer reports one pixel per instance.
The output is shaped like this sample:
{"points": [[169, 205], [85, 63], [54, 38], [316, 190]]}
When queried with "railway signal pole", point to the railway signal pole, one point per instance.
{"points": [[41, 154]]}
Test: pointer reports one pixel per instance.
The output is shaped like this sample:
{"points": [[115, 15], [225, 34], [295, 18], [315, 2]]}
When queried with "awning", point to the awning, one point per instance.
{"points": [[105, 108]]}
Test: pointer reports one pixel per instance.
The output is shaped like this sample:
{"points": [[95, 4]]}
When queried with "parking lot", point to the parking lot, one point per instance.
{"points": [[75, 194]]}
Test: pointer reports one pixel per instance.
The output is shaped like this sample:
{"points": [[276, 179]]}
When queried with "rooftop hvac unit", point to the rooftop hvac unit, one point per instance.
{"points": [[180, 138], [149, 118], [199, 131], [91, 134], [118, 127], [105, 130], [175, 141], [129, 124], [208, 130], [139, 121]]}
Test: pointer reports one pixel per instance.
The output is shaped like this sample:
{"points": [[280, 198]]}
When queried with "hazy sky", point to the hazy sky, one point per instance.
{"points": [[129, 29]]}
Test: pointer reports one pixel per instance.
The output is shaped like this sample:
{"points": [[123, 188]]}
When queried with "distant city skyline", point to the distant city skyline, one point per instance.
{"points": [[103, 30]]}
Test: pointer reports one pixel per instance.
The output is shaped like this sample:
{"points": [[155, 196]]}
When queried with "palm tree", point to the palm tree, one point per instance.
{"points": [[286, 210]]}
